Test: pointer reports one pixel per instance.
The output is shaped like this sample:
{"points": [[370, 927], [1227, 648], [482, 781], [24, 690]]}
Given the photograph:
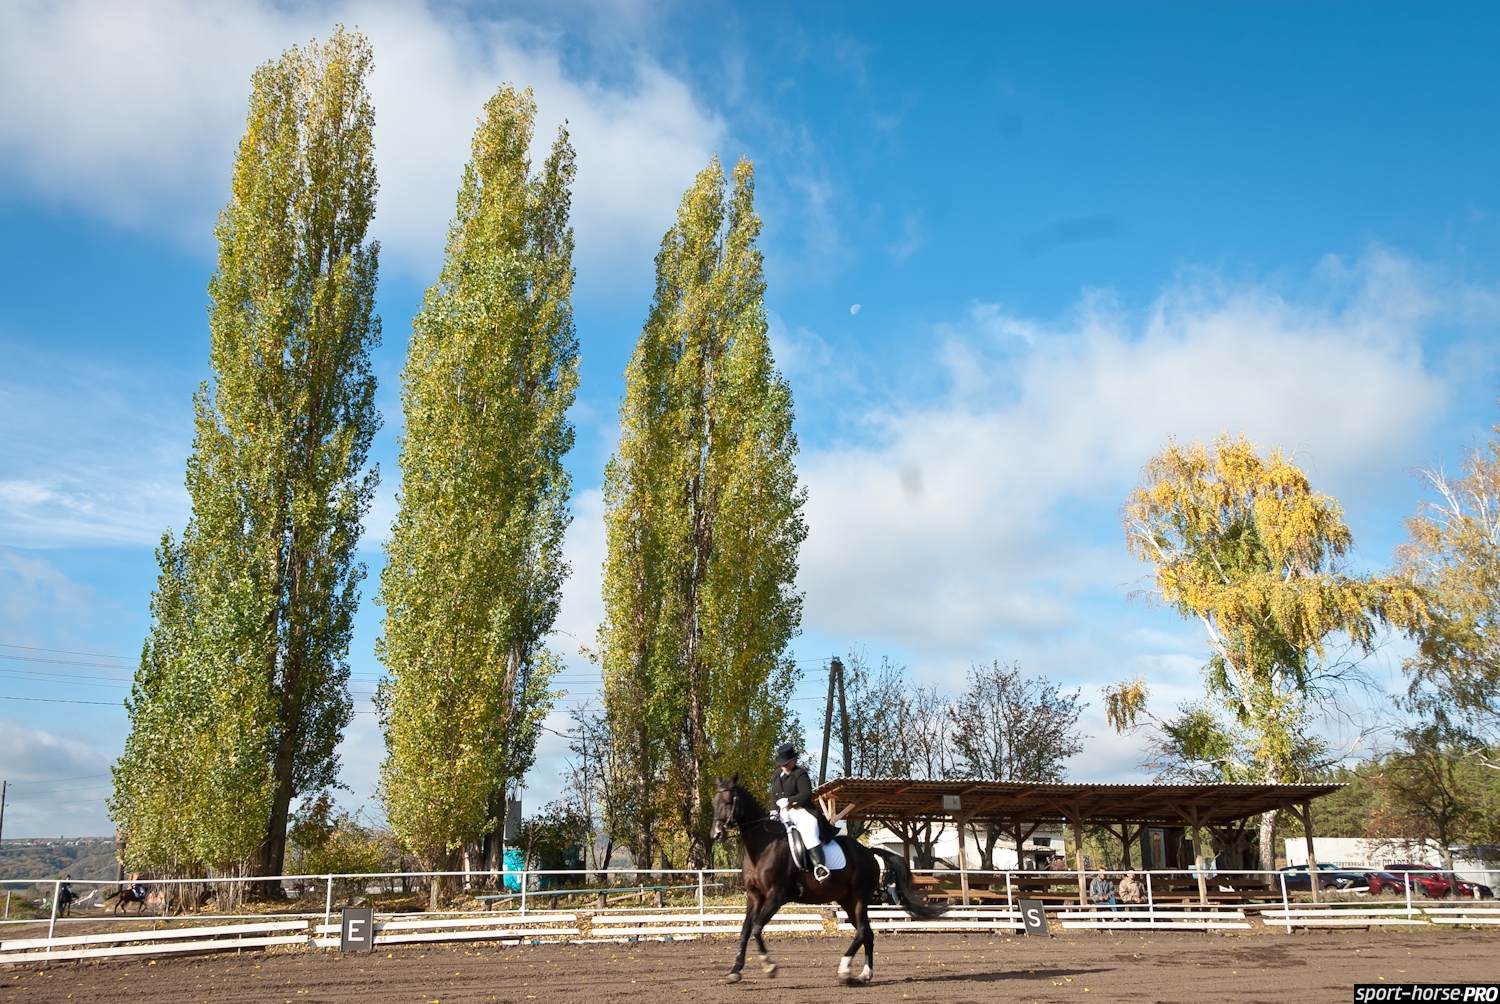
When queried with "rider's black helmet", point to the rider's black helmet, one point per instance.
{"points": [[785, 754]]}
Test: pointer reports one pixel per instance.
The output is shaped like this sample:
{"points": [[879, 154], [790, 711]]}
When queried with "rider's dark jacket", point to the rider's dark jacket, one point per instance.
{"points": [[796, 787]]}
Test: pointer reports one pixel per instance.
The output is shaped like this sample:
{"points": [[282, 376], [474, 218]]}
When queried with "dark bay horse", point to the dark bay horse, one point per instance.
{"points": [[772, 879]]}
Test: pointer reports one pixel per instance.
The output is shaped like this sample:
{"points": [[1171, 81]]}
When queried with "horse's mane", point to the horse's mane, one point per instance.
{"points": [[753, 809]]}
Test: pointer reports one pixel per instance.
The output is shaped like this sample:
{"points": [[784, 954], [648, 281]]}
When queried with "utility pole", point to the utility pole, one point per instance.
{"points": [[843, 717], [834, 667], [4, 785], [835, 680]]}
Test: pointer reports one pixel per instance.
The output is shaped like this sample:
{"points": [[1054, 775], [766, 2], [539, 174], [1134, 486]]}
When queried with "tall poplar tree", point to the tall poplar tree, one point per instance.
{"points": [[704, 520], [475, 569], [242, 693]]}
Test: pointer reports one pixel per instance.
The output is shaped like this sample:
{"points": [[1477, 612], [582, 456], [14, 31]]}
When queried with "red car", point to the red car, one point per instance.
{"points": [[1425, 880]]}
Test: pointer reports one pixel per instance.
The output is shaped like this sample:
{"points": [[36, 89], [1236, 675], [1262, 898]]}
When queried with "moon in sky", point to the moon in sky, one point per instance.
{"points": [[854, 309]]}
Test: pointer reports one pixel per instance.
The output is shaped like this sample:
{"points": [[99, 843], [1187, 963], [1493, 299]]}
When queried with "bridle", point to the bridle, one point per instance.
{"points": [[735, 822]]}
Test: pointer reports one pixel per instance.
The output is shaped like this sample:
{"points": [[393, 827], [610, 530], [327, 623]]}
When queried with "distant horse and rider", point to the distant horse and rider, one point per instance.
{"points": [[796, 855], [127, 894]]}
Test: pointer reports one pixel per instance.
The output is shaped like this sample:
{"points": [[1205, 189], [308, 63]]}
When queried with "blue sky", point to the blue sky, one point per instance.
{"points": [[1070, 231]]}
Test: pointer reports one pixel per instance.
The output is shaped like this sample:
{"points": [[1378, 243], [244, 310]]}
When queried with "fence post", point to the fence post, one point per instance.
{"points": [[52, 926], [1407, 876], [700, 897], [1286, 906], [1009, 903], [328, 908], [523, 892], [1150, 902]]}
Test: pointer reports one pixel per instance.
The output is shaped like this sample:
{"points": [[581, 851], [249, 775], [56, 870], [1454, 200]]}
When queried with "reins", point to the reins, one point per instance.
{"points": [[740, 824]]}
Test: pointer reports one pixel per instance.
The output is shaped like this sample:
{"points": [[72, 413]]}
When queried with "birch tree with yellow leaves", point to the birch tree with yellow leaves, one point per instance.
{"points": [[1244, 545]]}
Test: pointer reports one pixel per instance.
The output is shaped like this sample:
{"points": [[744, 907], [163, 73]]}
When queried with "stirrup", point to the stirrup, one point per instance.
{"points": [[821, 872]]}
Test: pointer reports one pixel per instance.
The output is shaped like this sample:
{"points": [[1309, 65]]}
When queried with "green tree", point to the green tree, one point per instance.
{"points": [[1243, 544], [1452, 555], [704, 519], [242, 693], [1429, 790], [475, 569], [1008, 727]]}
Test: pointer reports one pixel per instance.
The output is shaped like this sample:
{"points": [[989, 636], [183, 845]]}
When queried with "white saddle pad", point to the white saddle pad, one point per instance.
{"points": [[833, 855]]}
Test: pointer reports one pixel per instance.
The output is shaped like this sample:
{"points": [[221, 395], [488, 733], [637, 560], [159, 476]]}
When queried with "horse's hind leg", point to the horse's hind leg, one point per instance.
{"points": [[850, 906], [864, 934]]}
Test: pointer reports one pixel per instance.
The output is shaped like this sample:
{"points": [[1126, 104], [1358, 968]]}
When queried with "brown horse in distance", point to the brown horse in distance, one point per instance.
{"points": [[772, 879]]}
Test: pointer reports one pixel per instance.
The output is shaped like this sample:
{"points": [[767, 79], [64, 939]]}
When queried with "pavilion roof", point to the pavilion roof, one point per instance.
{"points": [[911, 800]]}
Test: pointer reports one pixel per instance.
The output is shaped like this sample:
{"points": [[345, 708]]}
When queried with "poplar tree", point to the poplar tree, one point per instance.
{"points": [[704, 521], [242, 693], [475, 569]]}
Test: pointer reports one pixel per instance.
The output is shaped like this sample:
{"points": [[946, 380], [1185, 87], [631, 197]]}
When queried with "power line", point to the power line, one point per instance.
{"points": [[61, 662], [26, 674], [64, 651], [58, 700], [59, 780]]}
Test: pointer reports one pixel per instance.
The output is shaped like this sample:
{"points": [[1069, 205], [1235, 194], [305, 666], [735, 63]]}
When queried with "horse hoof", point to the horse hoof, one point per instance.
{"points": [[733, 978], [845, 979], [867, 975], [770, 970]]}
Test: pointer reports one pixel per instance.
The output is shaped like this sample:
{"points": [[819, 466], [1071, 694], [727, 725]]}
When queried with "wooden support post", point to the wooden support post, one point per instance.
{"points": [[963, 858], [1312, 857], [1083, 889]]}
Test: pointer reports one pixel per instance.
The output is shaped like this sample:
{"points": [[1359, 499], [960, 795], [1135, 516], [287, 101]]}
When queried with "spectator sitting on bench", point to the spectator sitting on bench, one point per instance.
{"points": [[1131, 891], [1102, 891]]}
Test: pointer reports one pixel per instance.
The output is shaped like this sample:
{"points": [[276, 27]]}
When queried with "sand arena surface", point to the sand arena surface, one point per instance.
{"points": [[1082, 966]]}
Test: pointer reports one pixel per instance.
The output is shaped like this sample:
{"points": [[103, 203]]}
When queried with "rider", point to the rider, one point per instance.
{"points": [[791, 790]]}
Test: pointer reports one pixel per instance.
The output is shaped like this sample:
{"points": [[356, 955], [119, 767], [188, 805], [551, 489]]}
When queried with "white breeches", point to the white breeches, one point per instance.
{"points": [[805, 823]]}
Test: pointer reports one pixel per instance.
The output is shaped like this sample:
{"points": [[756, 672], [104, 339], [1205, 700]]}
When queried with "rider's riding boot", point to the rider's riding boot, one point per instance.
{"points": [[820, 870]]}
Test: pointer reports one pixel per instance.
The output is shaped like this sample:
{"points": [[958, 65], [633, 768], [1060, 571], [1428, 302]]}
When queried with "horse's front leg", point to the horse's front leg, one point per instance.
{"points": [[752, 910], [774, 901]]}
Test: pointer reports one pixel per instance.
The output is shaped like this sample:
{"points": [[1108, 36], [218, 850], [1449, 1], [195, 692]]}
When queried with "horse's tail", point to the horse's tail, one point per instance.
{"points": [[911, 900]]}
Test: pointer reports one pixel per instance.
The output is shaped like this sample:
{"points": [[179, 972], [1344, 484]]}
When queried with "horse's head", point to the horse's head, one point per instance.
{"points": [[729, 807]]}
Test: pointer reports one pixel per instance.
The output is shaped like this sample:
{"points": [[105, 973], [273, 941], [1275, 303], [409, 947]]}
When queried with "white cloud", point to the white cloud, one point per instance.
{"points": [[93, 454], [58, 785], [132, 110], [985, 523]]}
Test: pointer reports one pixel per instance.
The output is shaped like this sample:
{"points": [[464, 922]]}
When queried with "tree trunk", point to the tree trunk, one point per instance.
{"points": [[1268, 843]]}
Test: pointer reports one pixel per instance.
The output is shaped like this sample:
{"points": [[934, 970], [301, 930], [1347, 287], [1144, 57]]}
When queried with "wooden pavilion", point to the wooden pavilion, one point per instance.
{"points": [[904, 805]]}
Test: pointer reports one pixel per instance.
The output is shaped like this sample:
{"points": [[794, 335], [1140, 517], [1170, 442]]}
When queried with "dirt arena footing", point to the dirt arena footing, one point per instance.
{"points": [[951, 969]]}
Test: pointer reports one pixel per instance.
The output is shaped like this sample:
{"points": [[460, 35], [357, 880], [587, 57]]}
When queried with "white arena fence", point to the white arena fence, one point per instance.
{"points": [[541, 909]]}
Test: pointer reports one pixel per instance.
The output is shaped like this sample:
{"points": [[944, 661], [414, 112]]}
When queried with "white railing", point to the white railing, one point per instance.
{"points": [[677, 903]]}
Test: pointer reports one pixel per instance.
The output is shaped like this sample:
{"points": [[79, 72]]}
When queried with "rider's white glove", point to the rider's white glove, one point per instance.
{"points": [[783, 804]]}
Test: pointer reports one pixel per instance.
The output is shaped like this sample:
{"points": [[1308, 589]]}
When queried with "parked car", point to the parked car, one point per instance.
{"points": [[1329, 877], [1429, 881], [1381, 882]]}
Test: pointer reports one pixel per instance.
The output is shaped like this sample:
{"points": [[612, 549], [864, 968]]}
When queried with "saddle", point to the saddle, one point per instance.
{"points": [[833, 853]]}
